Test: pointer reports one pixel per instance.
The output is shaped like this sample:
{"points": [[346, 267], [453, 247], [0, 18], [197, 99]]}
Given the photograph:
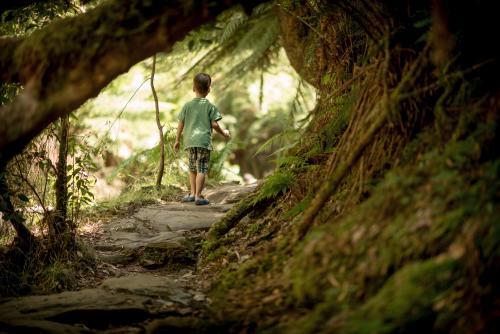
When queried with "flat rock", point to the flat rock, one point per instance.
{"points": [[171, 254], [229, 194], [160, 234], [123, 300], [173, 217], [148, 285], [117, 258]]}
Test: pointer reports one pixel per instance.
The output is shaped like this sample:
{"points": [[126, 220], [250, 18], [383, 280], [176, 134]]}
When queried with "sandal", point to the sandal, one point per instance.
{"points": [[187, 198], [201, 201]]}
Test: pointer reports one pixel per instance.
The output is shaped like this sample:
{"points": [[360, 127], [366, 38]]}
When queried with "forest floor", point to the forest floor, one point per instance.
{"points": [[146, 274]]}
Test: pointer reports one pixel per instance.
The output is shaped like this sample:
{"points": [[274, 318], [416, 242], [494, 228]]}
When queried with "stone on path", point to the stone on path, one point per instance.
{"points": [[118, 301], [173, 225], [156, 235]]}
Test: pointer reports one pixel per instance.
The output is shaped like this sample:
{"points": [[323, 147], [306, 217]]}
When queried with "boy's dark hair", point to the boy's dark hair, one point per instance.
{"points": [[202, 83]]}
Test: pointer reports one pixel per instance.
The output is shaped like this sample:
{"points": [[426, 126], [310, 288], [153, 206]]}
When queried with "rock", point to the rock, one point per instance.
{"points": [[187, 325], [117, 302], [168, 253], [147, 285], [74, 307], [40, 326], [229, 194], [159, 235], [117, 258], [199, 297], [128, 227]]}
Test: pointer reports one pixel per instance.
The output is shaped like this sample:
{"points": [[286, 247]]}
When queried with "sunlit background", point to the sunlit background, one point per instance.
{"points": [[262, 99]]}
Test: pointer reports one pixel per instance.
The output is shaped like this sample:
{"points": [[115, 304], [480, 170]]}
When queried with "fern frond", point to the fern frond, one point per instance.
{"points": [[263, 8], [286, 138], [231, 28], [291, 161], [275, 184]]}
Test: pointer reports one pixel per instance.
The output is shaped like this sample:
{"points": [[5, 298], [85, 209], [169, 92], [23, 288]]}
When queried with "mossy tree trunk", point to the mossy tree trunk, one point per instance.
{"points": [[59, 224], [24, 236]]}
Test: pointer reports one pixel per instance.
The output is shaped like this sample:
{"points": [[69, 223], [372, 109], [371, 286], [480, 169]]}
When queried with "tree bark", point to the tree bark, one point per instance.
{"points": [[161, 166], [59, 223], [70, 60], [25, 237]]}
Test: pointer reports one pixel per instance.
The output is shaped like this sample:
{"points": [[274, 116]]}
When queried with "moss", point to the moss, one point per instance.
{"points": [[231, 218], [406, 302], [253, 229], [382, 264], [413, 214]]}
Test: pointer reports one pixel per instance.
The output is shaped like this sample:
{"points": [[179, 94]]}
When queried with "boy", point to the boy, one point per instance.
{"points": [[198, 117]]}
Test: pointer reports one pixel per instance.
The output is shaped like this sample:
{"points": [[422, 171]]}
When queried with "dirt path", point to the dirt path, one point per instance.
{"points": [[150, 259]]}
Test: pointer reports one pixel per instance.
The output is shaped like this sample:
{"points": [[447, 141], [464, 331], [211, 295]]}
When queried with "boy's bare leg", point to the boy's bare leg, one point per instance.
{"points": [[192, 183], [200, 182]]}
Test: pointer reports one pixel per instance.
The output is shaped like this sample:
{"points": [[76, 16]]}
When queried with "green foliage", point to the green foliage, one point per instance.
{"points": [[217, 159], [140, 168], [407, 300], [280, 142], [7, 92], [57, 276], [79, 175], [225, 50], [274, 185], [297, 208], [234, 23], [136, 194], [296, 163], [23, 19]]}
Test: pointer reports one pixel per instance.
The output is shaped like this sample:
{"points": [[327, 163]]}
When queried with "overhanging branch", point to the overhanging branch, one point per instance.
{"points": [[71, 60]]}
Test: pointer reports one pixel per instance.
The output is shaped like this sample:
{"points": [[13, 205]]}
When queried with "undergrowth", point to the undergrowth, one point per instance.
{"points": [[405, 240], [44, 270]]}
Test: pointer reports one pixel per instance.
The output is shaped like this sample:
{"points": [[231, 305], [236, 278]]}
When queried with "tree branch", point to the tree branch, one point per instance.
{"points": [[71, 60]]}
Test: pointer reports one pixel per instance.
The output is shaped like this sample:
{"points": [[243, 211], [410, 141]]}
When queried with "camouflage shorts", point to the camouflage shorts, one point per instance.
{"points": [[199, 159]]}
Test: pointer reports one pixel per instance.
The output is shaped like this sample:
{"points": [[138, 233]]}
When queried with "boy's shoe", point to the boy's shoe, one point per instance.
{"points": [[201, 201], [188, 198]]}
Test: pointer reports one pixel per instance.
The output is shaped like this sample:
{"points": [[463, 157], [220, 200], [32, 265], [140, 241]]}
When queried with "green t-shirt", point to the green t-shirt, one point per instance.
{"points": [[197, 116]]}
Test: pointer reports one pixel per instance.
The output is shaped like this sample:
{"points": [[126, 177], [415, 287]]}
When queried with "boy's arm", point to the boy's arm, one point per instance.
{"points": [[217, 128], [180, 127]]}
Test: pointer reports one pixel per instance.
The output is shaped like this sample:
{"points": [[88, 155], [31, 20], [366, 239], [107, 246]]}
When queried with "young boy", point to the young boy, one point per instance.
{"points": [[198, 117]]}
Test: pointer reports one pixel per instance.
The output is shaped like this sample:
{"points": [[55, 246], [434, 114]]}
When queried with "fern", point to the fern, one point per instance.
{"points": [[274, 185], [234, 36], [262, 39], [295, 162], [236, 22], [217, 159], [285, 140], [263, 8]]}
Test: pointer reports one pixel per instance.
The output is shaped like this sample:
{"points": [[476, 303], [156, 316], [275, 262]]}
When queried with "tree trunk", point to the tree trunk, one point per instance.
{"points": [[59, 223], [161, 166], [25, 237]]}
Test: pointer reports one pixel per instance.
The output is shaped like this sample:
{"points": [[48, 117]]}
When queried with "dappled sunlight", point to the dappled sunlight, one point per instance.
{"points": [[303, 167], [255, 107]]}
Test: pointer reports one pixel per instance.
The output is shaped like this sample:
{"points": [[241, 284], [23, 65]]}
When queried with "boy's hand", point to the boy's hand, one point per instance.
{"points": [[226, 133], [176, 146]]}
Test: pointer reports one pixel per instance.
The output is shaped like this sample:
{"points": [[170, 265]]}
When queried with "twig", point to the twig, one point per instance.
{"points": [[18, 164], [99, 142], [161, 166]]}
